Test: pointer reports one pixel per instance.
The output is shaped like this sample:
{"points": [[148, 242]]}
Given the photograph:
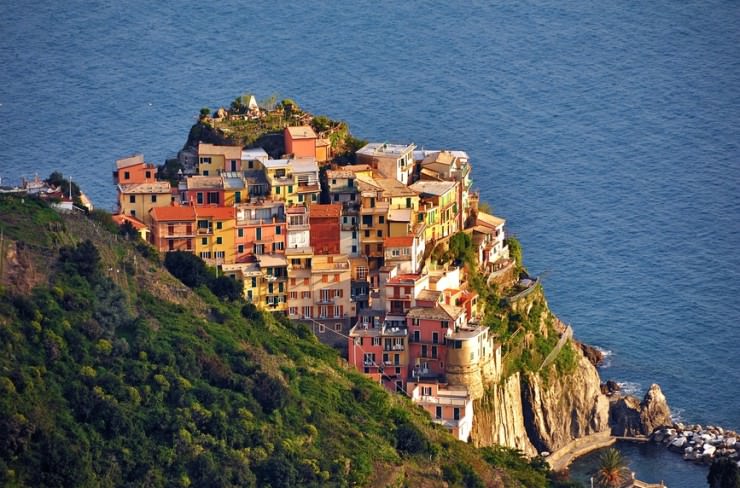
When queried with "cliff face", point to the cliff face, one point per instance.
{"points": [[564, 407], [535, 415], [629, 416], [498, 417]]}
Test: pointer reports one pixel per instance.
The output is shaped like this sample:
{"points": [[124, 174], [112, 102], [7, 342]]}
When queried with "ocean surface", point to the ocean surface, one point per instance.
{"points": [[606, 133]]}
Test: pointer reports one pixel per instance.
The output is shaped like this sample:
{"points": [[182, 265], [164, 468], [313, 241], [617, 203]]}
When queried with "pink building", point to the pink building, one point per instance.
{"points": [[449, 406], [380, 350], [260, 229]]}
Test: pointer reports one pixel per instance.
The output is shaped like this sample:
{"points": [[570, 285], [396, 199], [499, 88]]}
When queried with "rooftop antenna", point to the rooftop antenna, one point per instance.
{"points": [[70, 187]]}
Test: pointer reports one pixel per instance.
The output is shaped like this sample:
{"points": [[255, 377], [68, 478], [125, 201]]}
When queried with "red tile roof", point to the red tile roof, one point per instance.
{"points": [[403, 277], [218, 213], [136, 223], [403, 241], [325, 210], [162, 214]]}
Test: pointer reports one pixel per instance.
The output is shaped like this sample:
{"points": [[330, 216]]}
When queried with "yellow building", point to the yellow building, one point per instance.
{"points": [[215, 234], [136, 200], [282, 182], [250, 275], [439, 207], [235, 188], [274, 286], [214, 160]]}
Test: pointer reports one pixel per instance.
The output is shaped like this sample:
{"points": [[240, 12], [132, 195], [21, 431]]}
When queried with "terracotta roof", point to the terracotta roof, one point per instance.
{"points": [[403, 241], [218, 213], [442, 157], [162, 214], [136, 223], [228, 152], [301, 132], [325, 210]]}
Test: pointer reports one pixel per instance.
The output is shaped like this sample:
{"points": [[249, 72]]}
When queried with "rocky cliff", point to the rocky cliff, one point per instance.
{"points": [[543, 408]]}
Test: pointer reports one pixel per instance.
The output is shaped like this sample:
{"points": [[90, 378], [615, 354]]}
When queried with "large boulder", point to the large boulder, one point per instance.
{"points": [[654, 410]]}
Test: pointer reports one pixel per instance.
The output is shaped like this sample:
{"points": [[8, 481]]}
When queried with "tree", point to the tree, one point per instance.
{"points": [[724, 473], [188, 268], [612, 472], [226, 287], [83, 258], [205, 112]]}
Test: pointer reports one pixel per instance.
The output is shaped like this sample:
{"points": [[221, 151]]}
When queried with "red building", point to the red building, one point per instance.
{"points": [[133, 169], [173, 228], [325, 227]]}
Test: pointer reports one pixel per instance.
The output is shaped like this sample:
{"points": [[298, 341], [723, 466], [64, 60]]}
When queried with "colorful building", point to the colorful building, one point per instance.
{"points": [[325, 228], [260, 229], [137, 199], [215, 230], [392, 160], [173, 228], [300, 142], [133, 170], [214, 160]]}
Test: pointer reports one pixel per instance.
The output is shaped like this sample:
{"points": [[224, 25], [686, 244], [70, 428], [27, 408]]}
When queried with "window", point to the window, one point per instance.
{"points": [[237, 197], [213, 197], [254, 282], [259, 249], [367, 233], [307, 312], [278, 246], [444, 324], [426, 391], [277, 190], [434, 352], [190, 245], [126, 175], [250, 165], [292, 310], [305, 294], [171, 245], [367, 220], [290, 190], [258, 233], [219, 240], [417, 336], [154, 198], [132, 199], [204, 241], [220, 254], [205, 173], [189, 229], [278, 230], [199, 198], [219, 225], [336, 278], [415, 322], [240, 248], [354, 249], [380, 233], [354, 234], [435, 338], [306, 281], [170, 229], [325, 279], [456, 413], [300, 198], [408, 203], [376, 341], [438, 412], [205, 160], [205, 255], [321, 328], [338, 327], [336, 197], [381, 220], [385, 357], [292, 282]]}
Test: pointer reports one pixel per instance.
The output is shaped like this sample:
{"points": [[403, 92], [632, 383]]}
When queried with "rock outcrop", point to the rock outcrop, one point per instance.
{"points": [[498, 417], [654, 411], [594, 355], [629, 417], [564, 407]]}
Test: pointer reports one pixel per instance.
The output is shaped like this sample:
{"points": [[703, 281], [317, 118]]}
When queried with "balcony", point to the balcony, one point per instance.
{"points": [[395, 347], [379, 208], [459, 401], [325, 301], [205, 231], [349, 227]]}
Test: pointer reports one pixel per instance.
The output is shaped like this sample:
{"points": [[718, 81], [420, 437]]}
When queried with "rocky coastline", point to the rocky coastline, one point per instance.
{"points": [[650, 419]]}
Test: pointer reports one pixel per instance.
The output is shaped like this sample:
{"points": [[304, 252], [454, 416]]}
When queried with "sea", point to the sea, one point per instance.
{"points": [[606, 133]]}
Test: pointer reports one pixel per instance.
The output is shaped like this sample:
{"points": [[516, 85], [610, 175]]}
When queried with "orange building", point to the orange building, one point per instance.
{"points": [[300, 141], [133, 169], [173, 228], [260, 229], [324, 221]]}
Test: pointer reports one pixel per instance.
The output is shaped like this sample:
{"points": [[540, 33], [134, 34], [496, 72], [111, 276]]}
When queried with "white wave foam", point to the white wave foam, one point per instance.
{"points": [[677, 415], [630, 388], [607, 354]]}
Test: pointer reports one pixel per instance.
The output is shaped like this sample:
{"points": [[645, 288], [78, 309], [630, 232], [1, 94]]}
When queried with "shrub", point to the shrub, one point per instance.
{"points": [[226, 287], [409, 439], [84, 259]]}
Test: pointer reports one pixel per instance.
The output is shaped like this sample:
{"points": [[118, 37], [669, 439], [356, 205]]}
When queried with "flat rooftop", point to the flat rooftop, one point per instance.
{"points": [[385, 149]]}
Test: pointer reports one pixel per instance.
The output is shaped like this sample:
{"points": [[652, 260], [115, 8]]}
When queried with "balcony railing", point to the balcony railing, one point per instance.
{"points": [[443, 400]]}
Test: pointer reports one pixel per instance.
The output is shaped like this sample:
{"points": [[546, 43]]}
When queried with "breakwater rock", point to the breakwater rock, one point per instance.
{"points": [[699, 444]]}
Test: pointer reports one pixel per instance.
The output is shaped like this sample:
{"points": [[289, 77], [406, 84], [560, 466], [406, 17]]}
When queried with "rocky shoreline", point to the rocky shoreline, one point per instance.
{"points": [[699, 444], [651, 419]]}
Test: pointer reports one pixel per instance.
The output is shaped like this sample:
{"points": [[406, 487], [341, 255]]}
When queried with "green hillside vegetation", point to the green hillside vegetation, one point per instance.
{"points": [[113, 373]]}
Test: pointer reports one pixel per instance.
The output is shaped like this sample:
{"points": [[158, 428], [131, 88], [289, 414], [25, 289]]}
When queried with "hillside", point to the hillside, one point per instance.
{"points": [[113, 373]]}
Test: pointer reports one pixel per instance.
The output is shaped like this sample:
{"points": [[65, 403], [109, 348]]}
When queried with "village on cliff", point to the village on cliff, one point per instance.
{"points": [[359, 252]]}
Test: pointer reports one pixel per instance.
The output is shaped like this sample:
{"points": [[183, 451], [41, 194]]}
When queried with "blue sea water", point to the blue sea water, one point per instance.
{"points": [[607, 133]]}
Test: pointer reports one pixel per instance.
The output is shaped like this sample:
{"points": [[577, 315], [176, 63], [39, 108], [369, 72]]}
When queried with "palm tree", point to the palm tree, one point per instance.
{"points": [[612, 472]]}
